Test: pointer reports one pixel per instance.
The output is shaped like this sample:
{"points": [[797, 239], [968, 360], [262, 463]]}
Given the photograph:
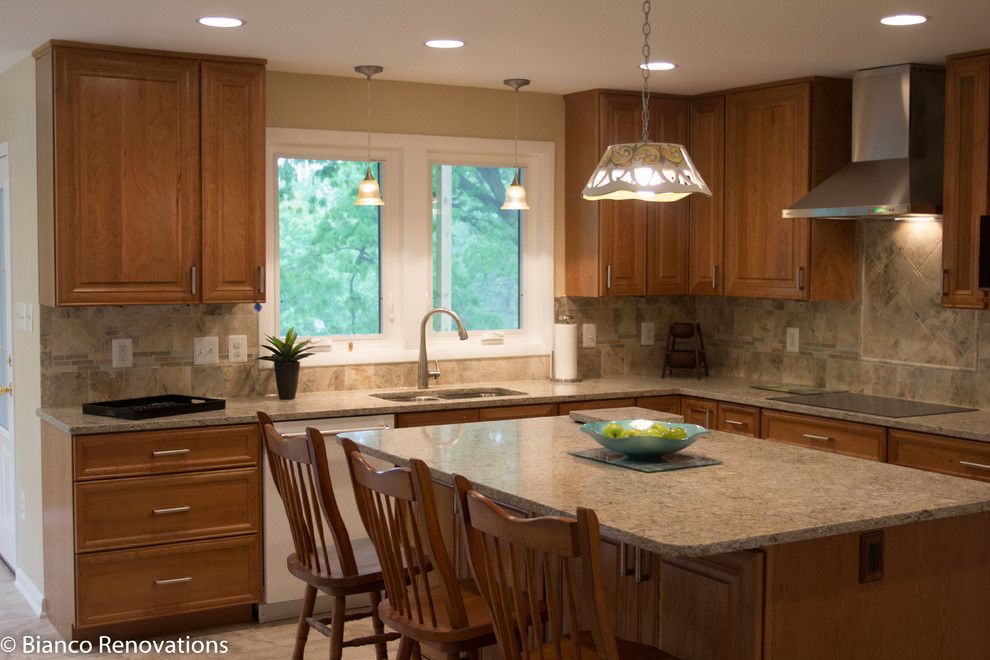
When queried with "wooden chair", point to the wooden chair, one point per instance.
{"points": [[541, 579], [426, 602], [299, 467]]}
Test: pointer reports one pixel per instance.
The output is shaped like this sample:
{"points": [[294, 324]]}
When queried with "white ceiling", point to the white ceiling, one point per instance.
{"points": [[562, 45]]}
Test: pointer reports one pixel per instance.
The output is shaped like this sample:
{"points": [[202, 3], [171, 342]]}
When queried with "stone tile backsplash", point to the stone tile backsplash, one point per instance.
{"points": [[893, 339]]}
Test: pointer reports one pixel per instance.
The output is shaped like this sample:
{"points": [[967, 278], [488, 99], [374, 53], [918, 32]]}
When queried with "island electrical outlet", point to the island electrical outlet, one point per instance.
{"points": [[122, 352]]}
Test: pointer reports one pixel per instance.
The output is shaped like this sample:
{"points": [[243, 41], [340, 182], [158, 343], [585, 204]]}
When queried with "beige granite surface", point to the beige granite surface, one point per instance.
{"points": [[763, 493], [972, 425]]}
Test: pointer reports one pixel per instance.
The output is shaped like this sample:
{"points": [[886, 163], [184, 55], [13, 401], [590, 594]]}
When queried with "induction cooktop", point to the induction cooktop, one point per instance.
{"points": [[881, 406]]}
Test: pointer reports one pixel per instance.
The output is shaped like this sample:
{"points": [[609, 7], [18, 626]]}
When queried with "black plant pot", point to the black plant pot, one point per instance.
{"points": [[287, 379]]}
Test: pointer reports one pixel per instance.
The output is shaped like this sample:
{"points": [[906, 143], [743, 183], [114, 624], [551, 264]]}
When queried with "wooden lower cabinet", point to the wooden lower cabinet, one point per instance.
{"points": [[739, 419], [431, 417], [670, 403], [841, 437], [518, 412], [699, 411], [936, 453]]}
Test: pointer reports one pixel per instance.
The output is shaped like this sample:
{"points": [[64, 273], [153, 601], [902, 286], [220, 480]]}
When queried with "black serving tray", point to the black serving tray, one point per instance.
{"points": [[148, 407]]}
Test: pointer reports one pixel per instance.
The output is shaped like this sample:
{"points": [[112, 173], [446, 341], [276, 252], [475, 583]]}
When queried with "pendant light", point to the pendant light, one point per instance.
{"points": [[515, 194], [654, 172], [369, 193]]}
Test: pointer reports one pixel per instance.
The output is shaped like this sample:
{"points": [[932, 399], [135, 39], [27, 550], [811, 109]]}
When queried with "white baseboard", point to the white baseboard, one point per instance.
{"points": [[35, 599]]}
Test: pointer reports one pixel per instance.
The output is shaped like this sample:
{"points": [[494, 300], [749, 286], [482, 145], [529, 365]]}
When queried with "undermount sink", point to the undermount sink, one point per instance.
{"points": [[447, 395]]}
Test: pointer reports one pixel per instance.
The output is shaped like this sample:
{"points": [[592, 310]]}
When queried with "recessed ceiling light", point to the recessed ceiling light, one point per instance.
{"points": [[904, 19], [658, 66], [444, 43], [220, 21]]}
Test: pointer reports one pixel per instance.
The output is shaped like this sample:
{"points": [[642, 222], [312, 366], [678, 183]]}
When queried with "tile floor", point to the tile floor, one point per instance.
{"points": [[271, 641]]}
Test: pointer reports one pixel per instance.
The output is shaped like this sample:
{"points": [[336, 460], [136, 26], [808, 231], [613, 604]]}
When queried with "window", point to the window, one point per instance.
{"points": [[329, 250], [476, 248], [360, 279]]}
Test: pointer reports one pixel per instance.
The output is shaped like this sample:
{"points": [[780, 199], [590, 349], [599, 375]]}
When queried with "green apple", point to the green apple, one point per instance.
{"points": [[676, 433], [612, 430]]}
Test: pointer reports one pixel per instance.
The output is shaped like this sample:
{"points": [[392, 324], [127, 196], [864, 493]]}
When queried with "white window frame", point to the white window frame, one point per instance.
{"points": [[407, 284]]}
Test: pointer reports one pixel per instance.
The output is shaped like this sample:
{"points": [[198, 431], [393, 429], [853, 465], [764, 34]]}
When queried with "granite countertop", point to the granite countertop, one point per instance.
{"points": [[763, 493], [972, 425]]}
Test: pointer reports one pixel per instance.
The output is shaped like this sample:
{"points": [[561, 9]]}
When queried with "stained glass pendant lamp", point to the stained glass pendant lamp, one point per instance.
{"points": [[369, 193], [515, 194], [650, 171]]}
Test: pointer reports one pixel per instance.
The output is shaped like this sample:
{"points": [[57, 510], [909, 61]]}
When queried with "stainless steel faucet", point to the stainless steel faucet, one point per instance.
{"points": [[424, 374]]}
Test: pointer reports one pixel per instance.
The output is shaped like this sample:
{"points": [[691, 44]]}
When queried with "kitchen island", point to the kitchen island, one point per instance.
{"points": [[778, 552]]}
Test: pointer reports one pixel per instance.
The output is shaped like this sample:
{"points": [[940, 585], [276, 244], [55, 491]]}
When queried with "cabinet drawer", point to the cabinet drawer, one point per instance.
{"points": [[735, 418], [429, 418], [850, 438], [518, 412], [936, 453], [169, 450], [702, 412], [122, 513], [129, 585], [566, 407], [668, 404]]}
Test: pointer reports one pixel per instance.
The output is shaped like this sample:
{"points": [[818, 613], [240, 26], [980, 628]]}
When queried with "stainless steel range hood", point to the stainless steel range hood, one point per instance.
{"points": [[897, 133]]}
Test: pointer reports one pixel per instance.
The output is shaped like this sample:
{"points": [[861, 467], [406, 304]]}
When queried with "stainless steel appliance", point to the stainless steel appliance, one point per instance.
{"points": [[881, 406]]}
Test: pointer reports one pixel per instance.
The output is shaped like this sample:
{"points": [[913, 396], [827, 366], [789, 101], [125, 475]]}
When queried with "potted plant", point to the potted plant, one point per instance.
{"points": [[286, 354]]}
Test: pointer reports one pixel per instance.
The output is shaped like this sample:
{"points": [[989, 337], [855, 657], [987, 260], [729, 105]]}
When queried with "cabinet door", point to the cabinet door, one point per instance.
{"points": [[767, 168], [622, 224], [233, 162], [126, 178], [667, 223], [699, 411], [739, 419], [967, 125], [835, 435], [936, 453], [706, 213]]}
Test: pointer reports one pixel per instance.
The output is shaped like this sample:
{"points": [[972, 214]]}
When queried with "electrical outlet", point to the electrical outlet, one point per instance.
{"points": [[123, 352], [22, 506], [589, 335], [206, 350], [647, 334], [793, 340], [237, 348]]}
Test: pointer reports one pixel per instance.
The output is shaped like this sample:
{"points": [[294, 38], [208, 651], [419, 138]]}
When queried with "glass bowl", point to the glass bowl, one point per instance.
{"points": [[643, 447]]}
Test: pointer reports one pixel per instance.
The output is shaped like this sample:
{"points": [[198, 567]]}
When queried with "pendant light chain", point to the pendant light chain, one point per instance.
{"points": [[646, 71]]}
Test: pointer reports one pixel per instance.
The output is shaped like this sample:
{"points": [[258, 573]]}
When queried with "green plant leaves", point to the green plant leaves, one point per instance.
{"points": [[290, 349]]}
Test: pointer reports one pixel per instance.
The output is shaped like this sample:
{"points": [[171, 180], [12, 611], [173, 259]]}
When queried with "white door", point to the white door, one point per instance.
{"points": [[8, 522]]}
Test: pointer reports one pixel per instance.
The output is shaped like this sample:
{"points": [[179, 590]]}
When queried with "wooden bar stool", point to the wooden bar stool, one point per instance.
{"points": [[426, 602], [541, 579], [298, 464]]}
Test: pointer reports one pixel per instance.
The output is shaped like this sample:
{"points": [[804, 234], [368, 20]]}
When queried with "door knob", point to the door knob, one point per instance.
{"points": [[9, 389]]}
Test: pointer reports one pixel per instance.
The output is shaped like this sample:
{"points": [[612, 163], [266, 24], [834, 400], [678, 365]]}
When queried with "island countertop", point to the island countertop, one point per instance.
{"points": [[763, 493]]}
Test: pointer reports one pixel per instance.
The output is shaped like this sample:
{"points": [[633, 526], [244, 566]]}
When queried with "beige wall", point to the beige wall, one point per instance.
{"points": [[17, 128], [333, 103]]}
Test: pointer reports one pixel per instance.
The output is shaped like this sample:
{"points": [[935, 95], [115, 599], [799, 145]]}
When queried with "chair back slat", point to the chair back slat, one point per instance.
{"points": [[299, 468], [398, 508], [541, 579]]}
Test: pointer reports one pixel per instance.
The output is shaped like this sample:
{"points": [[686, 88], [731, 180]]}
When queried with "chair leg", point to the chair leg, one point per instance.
{"points": [[337, 628], [381, 651], [417, 652], [302, 630], [453, 655], [405, 649]]}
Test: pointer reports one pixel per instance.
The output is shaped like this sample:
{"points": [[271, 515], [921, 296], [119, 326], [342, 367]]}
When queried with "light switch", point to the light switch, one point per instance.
{"points": [[237, 348], [206, 350], [589, 335], [793, 340]]}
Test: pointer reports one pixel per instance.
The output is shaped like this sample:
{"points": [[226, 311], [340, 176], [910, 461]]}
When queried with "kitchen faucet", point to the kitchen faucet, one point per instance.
{"points": [[424, 374]]}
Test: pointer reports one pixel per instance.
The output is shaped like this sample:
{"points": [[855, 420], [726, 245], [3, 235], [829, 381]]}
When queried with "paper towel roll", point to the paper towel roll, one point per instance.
{"points": [[565, 343]]}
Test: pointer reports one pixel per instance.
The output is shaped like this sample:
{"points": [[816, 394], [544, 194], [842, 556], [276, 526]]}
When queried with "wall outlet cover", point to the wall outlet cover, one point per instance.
{"points": [[122, 352], [237, 348], [793, 340], [647, 334], [589, 335], [206, 350]]}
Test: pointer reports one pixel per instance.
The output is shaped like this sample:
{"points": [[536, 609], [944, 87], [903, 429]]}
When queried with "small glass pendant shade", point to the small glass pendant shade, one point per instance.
{"points": [[369, 194], [650, 171], [515, 197]]}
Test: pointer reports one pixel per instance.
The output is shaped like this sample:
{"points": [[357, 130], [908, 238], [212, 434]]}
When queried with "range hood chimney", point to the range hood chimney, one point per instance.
{"points": [[898, 125]]}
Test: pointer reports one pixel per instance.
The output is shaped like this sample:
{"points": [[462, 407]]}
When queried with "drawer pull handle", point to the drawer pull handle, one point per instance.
{"points": [[735, 422], [812, 436], [980, 466], [175, 509], [181, 580], [169, 452]]}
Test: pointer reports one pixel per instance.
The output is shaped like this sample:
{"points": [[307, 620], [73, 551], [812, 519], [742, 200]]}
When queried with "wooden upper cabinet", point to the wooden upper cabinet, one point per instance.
{"points": [[150, 176], [967, 161], [122, 135], [623, 247], [233, 178], [780, 141], [706, 227]]}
